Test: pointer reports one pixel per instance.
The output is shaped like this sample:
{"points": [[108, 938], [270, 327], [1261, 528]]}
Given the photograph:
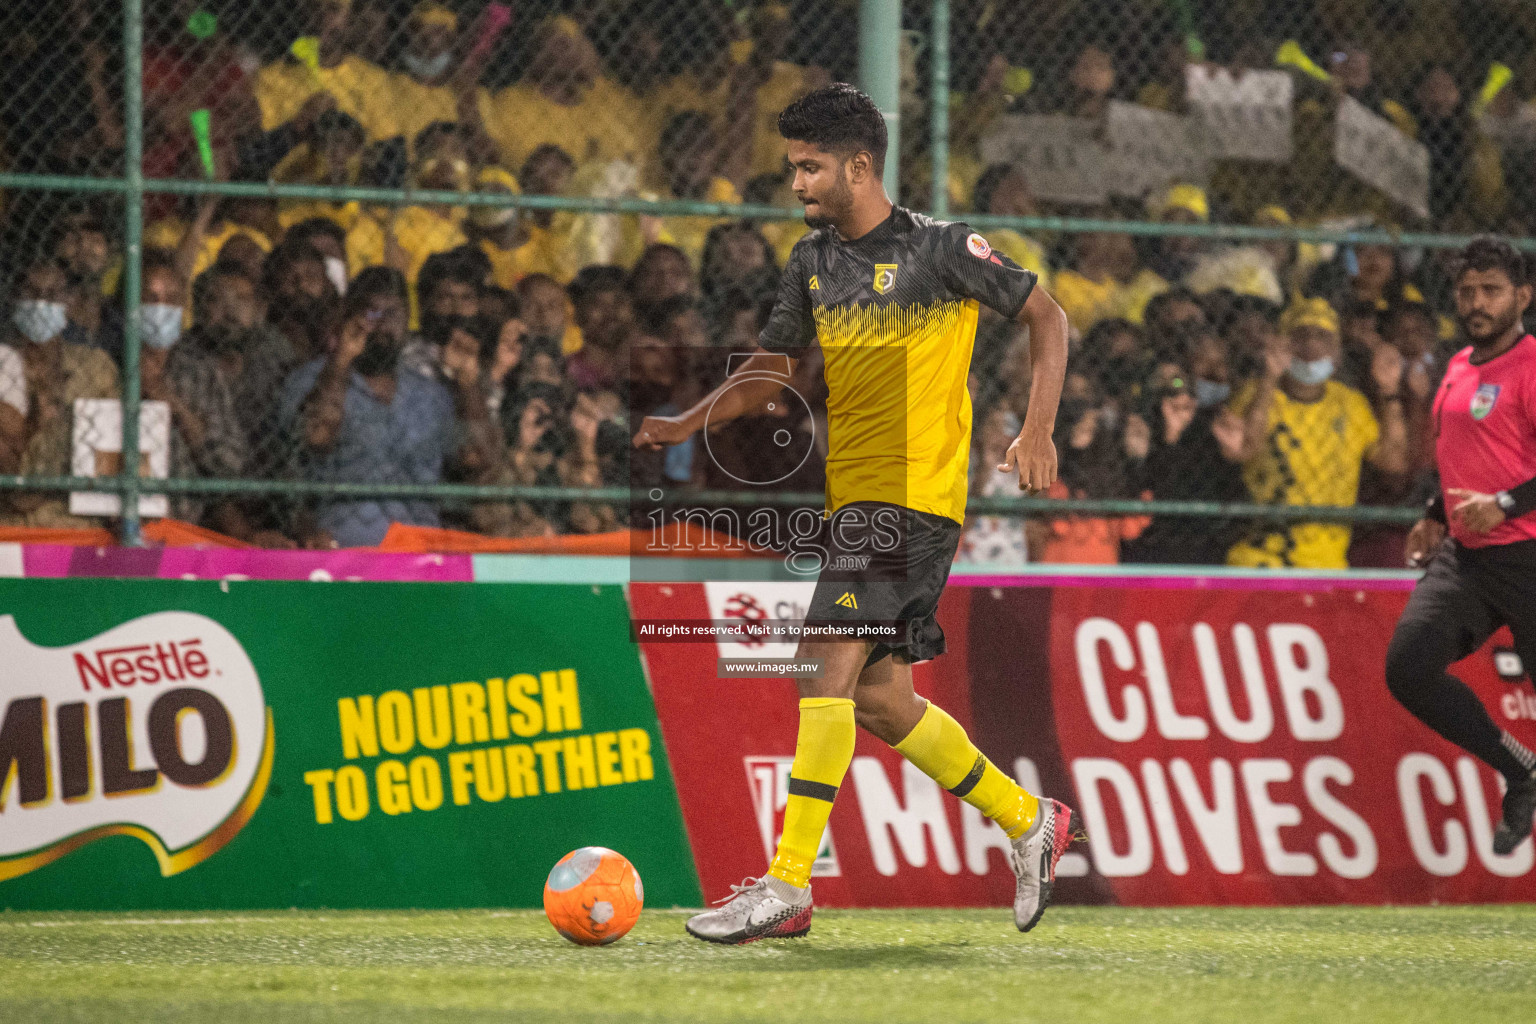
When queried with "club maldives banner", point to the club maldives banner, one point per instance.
{"points": [[1221, 744], [170, 744]]}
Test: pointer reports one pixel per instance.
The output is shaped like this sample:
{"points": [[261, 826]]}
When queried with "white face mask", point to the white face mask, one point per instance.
{"points": [[1317, 371], [159, 324], [426, 67], [336, 270], [40, 321]]}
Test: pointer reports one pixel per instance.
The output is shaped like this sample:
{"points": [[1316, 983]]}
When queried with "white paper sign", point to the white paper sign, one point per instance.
{"points": [[98, 451], [1064, 158], [1372, 149], [1152, 148], [1243, 117]]}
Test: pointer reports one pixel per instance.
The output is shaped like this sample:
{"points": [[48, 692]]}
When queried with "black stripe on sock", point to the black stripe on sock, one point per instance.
{"points": [[965, 785], [814, 790]]}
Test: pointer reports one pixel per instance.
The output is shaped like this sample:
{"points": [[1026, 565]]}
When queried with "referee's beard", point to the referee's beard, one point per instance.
{"points": [[1484, 330]]}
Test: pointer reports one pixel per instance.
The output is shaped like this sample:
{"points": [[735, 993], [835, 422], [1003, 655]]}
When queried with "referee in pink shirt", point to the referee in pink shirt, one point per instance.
{"points": [[1484, 575]]}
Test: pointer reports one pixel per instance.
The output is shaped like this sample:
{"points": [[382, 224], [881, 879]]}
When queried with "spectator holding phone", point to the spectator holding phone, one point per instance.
{"points": [[356, 417]]}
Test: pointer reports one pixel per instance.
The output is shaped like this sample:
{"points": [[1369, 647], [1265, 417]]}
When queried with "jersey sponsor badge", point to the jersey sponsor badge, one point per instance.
{"points": [[978, 246], [1483, 400], [815, 285], [885, 277]]}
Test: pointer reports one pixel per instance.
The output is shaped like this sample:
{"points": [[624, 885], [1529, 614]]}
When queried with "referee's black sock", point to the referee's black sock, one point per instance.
{"points": [[1448, 706]]}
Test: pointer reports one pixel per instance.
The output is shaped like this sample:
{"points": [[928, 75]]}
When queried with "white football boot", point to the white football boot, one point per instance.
{"points": [[753, 911], [1035, 854]]}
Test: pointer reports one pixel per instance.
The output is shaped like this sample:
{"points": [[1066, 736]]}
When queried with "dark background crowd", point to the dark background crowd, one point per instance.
{"points": [[423, 343]]}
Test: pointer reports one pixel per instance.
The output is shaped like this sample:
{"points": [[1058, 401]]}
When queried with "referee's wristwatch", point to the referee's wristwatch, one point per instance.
{"points": [[1506, 501]]}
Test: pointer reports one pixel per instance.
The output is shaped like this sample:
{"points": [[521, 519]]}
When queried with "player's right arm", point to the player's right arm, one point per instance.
{"points": [[758, 380], [765, 378]]}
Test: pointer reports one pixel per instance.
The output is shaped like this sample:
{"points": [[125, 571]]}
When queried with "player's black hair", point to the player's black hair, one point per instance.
{"points": [[839, 119], [1492, 253]]}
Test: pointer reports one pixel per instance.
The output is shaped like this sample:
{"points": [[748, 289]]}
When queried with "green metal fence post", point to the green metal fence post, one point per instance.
{"points": [[880, 74], [938, 120], [133, 237]]}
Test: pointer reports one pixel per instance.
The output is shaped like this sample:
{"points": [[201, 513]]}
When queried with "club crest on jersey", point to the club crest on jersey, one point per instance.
{"points": [[978, 246], [885, 277], [1483, 400]]}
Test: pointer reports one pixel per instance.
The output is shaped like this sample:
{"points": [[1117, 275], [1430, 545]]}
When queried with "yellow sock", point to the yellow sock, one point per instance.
{"points": [[941, 749], [823, 751]]}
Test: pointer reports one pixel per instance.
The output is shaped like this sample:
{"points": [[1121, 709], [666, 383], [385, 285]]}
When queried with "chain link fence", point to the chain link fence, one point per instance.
{"points": [[424, 263]]}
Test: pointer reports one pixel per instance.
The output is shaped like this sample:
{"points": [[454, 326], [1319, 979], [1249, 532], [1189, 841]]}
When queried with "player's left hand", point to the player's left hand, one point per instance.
{"points": [[1477, 512], [1033, 454]]}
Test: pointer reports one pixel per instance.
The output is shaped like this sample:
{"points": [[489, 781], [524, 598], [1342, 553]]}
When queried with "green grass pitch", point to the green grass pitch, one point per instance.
{"points": [[1358, 965]]}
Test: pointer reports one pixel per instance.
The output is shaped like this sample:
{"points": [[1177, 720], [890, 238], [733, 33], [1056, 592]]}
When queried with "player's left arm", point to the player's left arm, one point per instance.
{"points": [[1033, 452], [972, 269]]}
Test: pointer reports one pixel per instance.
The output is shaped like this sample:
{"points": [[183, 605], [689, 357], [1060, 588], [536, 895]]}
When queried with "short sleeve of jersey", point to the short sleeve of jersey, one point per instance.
{"points": [[791, 325], [972, 269], [1364, 430]]}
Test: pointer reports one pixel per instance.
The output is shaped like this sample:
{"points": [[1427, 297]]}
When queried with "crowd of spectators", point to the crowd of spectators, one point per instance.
{"points": [[421, 343]]}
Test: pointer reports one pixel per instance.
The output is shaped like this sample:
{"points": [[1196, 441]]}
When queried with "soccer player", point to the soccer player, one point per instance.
{"points": [[1484, 575], [892, 298]]}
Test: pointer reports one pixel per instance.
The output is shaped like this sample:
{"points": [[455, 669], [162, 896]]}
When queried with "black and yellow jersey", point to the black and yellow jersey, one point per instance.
{"points": [[895, 314]]}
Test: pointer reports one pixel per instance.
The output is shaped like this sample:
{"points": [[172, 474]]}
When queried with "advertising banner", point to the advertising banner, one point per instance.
{"points": [[213, 563], [170, 744], [1220, 745]]}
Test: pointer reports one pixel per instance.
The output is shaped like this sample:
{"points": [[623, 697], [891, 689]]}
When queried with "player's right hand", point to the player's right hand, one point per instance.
{"points": [[1423, 539], [658, 431]]}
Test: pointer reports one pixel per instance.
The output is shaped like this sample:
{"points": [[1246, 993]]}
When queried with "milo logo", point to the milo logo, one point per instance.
{"points": [[155, 729]]}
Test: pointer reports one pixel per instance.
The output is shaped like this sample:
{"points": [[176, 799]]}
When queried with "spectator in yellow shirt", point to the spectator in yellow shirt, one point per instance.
{"points": [[564, 100], [361, 88], [520, 242], [1105, 281], [332, 156], [1305, 437], [423, 88]]}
